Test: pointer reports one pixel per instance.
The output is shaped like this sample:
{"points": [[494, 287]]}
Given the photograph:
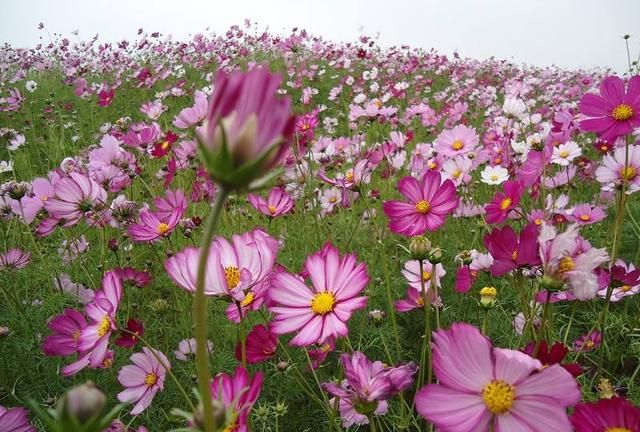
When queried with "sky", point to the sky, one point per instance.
{"points": [[566, 33]]}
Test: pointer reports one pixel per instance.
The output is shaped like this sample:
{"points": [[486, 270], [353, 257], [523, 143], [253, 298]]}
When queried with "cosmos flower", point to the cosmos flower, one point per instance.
{"points": [[187, 348], [614, 112], [613, 170], [459, 140], [565, 153], [66, 330], [143, 379], [160, 223], [14, 259], [261, 345], [588, 342], [510, 251], [15, 420], [192, 115], [278, 202], [482, 387], [494, 175], [503, 202], [75, 196], [105, 97], [238, 393], [554, 355], [586, 214], [128, 340], [320, 312], [430, 201], [614, 415]]}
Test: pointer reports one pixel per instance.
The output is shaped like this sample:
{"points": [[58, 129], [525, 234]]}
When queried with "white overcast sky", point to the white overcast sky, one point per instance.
{"points": [[568, 33]]}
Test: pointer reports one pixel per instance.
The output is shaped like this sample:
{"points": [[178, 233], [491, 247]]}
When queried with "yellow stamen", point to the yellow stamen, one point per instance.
{"points": [[564, 154], [163, 228], [426, 276], [423, 207], [248, 299], [617, 429], [566, 264], [232, 274], [457, 144], [76, 334], [150, 379], [505, 203], [628, 173], [105, 326], [585, 217], [625, 288], [498, 396], [622, 112], [272, 209], [514, 255], [323, 303]]}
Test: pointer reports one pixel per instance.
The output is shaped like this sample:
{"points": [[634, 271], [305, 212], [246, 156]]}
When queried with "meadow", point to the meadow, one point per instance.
{"points": [[396, 240]]}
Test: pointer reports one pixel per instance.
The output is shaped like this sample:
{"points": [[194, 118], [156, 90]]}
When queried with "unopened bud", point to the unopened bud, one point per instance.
{"points": [[419, 248], [280, 409], [84, 402], [435, 256], [551, 284], [488, 296], [4, 331], [282, 366]]}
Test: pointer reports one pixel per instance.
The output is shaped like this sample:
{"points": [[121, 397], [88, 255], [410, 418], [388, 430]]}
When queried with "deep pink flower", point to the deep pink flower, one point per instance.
{"points": [[430, 202], [510, 251], [128, 340], [66, 330], [143, 379], [554, 355], [105, 97], [15, 420], [137, 278], [614, 113], [624, 278], [261, 345], [606, 415], [14, 259], [238, 393], [162, 222], [322, 311], [163, 146], [588, 342], [278, 202], [503, 202], [247, 129], [480, 385]]}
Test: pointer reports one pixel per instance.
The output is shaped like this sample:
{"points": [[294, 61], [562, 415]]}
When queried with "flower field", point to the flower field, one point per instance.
{"points": [[258, 232]]}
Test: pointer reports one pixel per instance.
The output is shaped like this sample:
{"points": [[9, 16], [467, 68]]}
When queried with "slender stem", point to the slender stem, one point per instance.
{"points": [[426, 343], [573, 312], [200, 313], [243, 336], [485, 322], [372, 423]]}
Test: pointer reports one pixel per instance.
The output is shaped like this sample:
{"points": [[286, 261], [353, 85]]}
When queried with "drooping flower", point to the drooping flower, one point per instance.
{"points": [[66, 330], [15, 420], [482, 387], [608, 415], [261, 345], [368, 385], [510, 251], [187, 348], [143, 379], [615, 112], [320, 312], [238, 393], [430, 202], [619, 168], [247, 128], [503, 202], [160, 223], [278, 202], [14, 259]]}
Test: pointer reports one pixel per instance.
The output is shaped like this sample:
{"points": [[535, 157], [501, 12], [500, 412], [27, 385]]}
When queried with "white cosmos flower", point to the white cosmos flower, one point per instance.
{"points": [[6, 166], [494, 175], [515, 107], [31, 86], [565, 153]]}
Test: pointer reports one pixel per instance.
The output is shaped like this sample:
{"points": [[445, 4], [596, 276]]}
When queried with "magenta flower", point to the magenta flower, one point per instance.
{"points": [[247, 129], [614, 113], [320, 312], [482, 387], [238, 393], [15, 420], [510, 251], [620, 167], [105, 97], [137, 278], [430, 202], [278, 203], [75, 196], [14, 259], [368, 385], [143, 379], [588, 342], [503, 202], [66, 329], [586, 214], [127, 339], [162, 222], [608, 415], [261, 345], [234, 268]]}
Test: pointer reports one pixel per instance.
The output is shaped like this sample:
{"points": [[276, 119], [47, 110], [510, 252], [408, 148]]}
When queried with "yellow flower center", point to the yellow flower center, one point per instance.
{"points": [[349, 177], [423, 207], [622, 112], [432, 165], [498, 396], [150, 379], [564, 154], [628, 173], [420, 301], [494, 177], [426, 276], [625, 288], [457, 144], [248, 299], [589, 344], [163, 228], [105, 326], [585, 217], [272, 209], [232, 274], [514, 255], [325, 347], [165, 145], [44, 198], [456, 174], [505, 203], [333, 199], [323, 303], [618, 429], [76, 334], [538, 221], [566, 264]]}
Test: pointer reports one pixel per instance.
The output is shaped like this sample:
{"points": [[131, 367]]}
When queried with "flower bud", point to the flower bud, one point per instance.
{"points": [[551, 284], [84, 402], [4, 331], [282, 366], [605, 389], [435, 255], [488, 296], [280, 409], [419, 247]]}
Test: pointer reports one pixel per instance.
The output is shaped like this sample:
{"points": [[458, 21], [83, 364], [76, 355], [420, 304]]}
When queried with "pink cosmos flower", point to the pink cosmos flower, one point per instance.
{"points": [[430, 202], [261, 345], [234, 268], [624, 278], [75, 196], [14, 259], [15, 420], [238, 393], [42, 190], [193, 115], [614, 113], [278, 203], [414, 297], [320, 312], [162, 222], [613, 171], [588, 342], [105, 97], [368, 385], [143, 379], [586, 214], [93, 343], [503, 202], [137, 278], [187, 348], [459, 140], [615, 415], [66, 330], [510, 251], [482, 387]]}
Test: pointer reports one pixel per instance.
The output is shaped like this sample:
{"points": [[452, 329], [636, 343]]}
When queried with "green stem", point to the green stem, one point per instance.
{"points": [[372, 423], [243, 336], [200, 312], [426, 343]]}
